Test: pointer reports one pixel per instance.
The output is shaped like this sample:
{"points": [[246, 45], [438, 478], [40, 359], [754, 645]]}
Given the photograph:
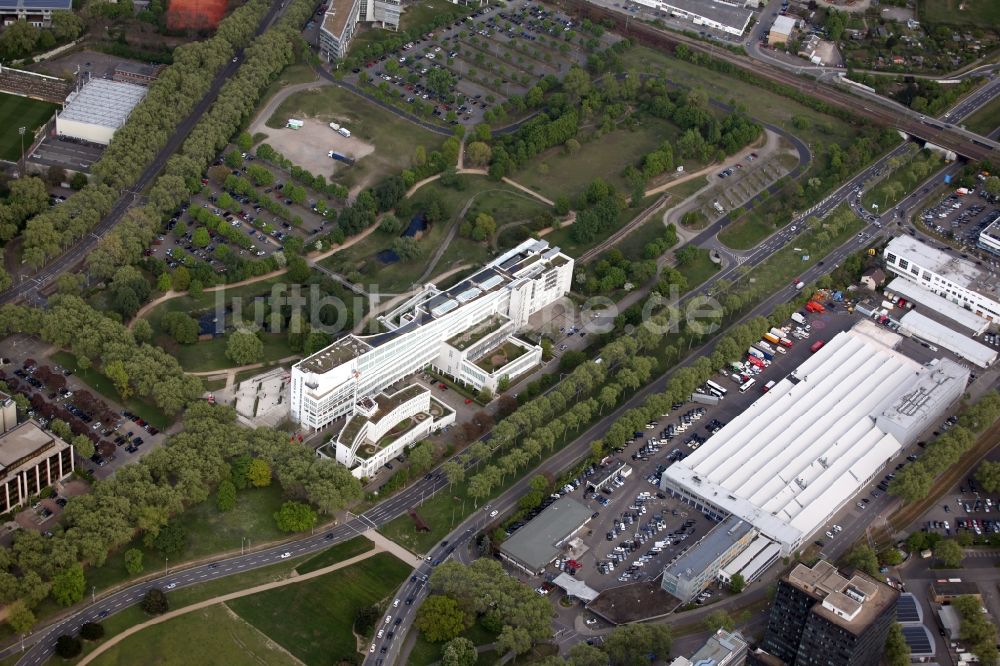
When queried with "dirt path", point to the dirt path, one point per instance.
{"points": [[291, 580]]}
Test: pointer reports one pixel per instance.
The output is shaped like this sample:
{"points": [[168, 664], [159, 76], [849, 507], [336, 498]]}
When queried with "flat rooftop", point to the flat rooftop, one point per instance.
{"points": [[11, 6], [807, 445], [963, 273], [538, 543], [709, 548], [728, 15], [936, 333], [103, 102], [342, 350], [337, 16], [783, 25], [953, 312], [23, 442], [719, 648], [633, 602], [850, 603]]}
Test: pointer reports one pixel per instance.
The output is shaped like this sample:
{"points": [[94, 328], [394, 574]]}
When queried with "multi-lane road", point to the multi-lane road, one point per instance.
{"points": [[29, 289]]}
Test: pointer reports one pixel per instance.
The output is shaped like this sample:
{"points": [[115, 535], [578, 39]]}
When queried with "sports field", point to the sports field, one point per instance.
{"points": [[18, 112]]}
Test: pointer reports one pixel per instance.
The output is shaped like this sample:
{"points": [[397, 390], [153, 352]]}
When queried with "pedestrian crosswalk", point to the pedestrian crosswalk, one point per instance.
{"points": [[977, 552]]}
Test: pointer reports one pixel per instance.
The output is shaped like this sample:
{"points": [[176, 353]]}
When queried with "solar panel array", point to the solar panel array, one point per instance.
{"points": [[37, 5], [906, 609], [918, 640]]}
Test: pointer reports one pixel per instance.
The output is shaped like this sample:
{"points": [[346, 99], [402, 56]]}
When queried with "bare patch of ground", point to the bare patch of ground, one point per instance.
{"points": [[308, 147]]}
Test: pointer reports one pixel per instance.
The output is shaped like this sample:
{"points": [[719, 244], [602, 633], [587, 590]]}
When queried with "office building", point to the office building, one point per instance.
{"points": [[950, 277], [535, 545], [989, 237], [30, 459], [694, 570], [96, 111], [382, 427], [805, 448], [723, 16], [8, 413], [724, 648], [820, 617], [341, 21], [935, 306], [467, 332]]}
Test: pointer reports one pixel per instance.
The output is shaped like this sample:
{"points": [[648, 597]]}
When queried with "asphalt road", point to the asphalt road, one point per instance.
{"points": [[29, 289]]}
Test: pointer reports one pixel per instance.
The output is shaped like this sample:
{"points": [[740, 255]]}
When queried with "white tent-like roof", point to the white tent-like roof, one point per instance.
{"points": [[925, 328]]}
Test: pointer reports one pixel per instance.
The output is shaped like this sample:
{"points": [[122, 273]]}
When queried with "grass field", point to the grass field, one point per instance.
{"points": [[985, 120], [555, 172], [747, 232], [394, 138], [220, 637], [211, 354], [105, 387], [564, 238], [15, 112], [504, 203], [971, 13], [699, 270], [314, 621], [209, 531], [334, 554]]}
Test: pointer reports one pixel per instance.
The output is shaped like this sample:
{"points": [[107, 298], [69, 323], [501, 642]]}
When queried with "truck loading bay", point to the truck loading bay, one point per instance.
{"points": [[638, 530]]}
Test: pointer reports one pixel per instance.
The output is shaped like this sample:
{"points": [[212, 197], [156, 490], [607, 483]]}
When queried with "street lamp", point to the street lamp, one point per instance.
{"points": [[21, 131], [166, 562]]}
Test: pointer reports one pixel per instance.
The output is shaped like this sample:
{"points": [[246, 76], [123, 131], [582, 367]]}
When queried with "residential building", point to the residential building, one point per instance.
{"points": [[467, 332], [36, 12], [688, 575], [30, 459], [821, 617], [382, 427], [948, 276], [724, 648], [873, 278], [730, 18], [341, 21], [793, 458], [781, 31], [535, 545], [989, 237]]}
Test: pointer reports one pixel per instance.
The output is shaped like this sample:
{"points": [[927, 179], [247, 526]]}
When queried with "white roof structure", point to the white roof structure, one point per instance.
{"points": [[961, 272], [808, 445], [744, 558], [103, 102], [912, 291], [925, 328], [783, 25]]}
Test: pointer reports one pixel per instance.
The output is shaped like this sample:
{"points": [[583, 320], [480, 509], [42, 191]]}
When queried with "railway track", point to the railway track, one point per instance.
{"points": [[651, 36]]}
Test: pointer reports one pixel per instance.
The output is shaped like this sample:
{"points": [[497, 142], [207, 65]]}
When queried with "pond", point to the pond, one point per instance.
{"points": [[416, 225]]}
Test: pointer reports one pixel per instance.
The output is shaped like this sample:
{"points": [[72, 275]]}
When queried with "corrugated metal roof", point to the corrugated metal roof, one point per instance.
{"points": [[931, 331]]}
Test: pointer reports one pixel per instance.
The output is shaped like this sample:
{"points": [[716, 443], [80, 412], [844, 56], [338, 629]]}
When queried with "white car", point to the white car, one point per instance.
{"points": [[592, 621], [372, 648], [285, 556], [395, 604], [494, 513], [171, 586]]}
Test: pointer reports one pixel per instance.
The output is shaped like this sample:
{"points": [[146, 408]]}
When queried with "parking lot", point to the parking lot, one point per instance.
{"points": [[463, 71], [961, 218]]}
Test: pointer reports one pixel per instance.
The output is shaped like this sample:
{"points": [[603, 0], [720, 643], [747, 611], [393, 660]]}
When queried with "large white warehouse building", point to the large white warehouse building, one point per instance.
{"points": [[791, 460], [466, 331], [96, 111]]}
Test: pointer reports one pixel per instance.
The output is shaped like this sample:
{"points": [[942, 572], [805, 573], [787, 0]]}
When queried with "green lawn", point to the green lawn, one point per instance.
{"points": [[898, 184], [16, 112], [699, 270], [748, 231], [113, 625], [425, 653], [211, 354], [504, 203], [555, 172], [209, 532], [213, 384], [564, 238], [686, 189], [217, 634], [104, 386], [314, 621], [985, 120], [332, 555], [394, 138], [965, 13]]}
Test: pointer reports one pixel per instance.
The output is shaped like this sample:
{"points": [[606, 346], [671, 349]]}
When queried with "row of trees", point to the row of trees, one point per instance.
{"points": [[978, 632], [914, 481], [298, 174], [142, 497], [170, 98]]}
